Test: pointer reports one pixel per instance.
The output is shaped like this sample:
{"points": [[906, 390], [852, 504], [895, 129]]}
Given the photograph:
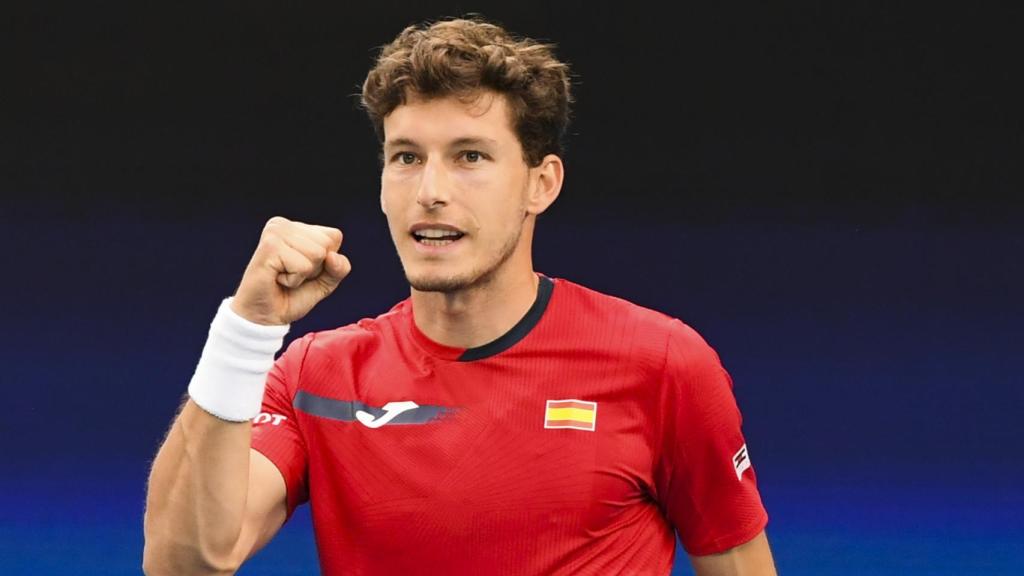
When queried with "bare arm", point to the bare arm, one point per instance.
{"points": [[754, 558], [212, 500]]}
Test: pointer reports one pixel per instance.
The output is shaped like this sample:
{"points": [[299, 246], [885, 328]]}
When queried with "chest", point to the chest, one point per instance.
{"points": [[550, 444]]}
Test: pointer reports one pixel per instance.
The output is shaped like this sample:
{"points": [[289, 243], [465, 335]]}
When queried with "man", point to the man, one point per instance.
{"points": [[499, 421]]}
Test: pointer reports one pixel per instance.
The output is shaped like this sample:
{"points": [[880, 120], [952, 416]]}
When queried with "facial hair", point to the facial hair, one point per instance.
{"points": [[478, 277]]}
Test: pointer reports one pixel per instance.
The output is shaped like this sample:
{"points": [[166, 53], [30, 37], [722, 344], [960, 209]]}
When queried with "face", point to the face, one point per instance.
{"points": [[456, 190]]}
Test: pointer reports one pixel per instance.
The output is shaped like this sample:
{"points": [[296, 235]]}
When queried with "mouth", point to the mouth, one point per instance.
{"points": [[436, 236], [436, 241]]}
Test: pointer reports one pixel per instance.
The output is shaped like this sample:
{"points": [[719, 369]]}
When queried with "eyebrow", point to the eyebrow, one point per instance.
{"points": [[464, 141]]}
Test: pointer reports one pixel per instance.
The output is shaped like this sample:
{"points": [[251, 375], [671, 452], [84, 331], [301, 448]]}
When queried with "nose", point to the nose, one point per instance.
{"points": [[433, 189]]}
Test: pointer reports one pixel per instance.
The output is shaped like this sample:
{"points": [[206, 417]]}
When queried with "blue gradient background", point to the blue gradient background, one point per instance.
{"points": [[833, 202]]}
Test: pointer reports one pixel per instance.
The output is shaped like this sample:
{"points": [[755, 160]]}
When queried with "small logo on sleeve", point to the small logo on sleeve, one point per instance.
{"points": [[266, 417], [575, 414], [741, 461]]}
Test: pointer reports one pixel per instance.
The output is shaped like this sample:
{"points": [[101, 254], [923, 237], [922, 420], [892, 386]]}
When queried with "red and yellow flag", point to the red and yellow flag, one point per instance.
{"points": [[577, 414]]}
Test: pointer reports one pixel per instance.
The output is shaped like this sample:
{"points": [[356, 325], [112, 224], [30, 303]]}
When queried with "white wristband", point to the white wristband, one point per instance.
{"points": [[232, 371]]}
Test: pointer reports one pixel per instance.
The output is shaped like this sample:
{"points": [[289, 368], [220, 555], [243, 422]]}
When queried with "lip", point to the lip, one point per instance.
{"points": [[438, 225], [437, 250]]}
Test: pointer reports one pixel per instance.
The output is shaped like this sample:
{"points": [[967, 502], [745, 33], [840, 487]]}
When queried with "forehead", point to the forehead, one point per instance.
{"points": [[485, 115]]}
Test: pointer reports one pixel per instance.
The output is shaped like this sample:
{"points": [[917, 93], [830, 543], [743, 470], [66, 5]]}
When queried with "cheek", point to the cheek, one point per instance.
{"points": [[474, 178], [391, 206], [391, 192], [503, 220], [393, 185]]}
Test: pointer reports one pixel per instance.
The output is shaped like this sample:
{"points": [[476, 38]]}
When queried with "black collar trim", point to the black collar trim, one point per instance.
{"points": [[517, 332]]}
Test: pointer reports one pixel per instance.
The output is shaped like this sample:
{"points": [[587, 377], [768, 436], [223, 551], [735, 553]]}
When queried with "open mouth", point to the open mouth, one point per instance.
{"points": [[437, 237]]}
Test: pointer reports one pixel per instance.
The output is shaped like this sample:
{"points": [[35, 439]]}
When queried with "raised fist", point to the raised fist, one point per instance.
{"points": [[294, 267]]}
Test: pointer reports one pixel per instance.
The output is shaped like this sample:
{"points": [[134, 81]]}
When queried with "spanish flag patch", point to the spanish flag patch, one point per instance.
{"points": [[577, 414]]}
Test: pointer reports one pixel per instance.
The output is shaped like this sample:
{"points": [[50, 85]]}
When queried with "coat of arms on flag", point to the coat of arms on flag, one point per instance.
{"points": [[576, 414]]}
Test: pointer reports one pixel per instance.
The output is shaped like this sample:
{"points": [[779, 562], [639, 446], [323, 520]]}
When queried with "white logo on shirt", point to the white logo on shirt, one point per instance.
{"points": [[265, 417], [741, 461], [391, 410]]}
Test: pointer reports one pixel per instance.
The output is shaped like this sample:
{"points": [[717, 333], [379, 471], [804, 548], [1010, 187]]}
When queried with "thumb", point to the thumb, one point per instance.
{"points": [[336, 267]]}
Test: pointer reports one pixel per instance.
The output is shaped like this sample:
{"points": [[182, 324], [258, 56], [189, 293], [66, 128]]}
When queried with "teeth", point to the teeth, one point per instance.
{"points": [[436, 233]]}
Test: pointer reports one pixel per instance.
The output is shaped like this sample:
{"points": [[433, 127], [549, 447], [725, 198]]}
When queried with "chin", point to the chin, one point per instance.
{"points": [[450, 281], [438, 283]]}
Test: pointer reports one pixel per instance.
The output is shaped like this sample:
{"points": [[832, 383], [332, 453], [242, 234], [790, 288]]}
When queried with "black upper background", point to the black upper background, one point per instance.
{"points": [[867, 114]]}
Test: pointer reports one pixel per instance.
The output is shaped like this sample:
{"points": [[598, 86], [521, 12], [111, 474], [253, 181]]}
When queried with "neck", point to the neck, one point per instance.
{"points": [[479, 313]]}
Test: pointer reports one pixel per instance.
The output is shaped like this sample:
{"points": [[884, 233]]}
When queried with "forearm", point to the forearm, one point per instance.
{"points": [[196, 500], [210, 502]]}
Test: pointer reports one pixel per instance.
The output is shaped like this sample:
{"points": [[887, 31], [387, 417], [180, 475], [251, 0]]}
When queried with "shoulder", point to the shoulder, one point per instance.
{"points": [[601, 306], [679, 364], [657, 337], [598, 307], [351, 338]]}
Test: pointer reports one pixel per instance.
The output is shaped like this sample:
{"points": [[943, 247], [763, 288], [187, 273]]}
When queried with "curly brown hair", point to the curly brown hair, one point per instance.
{"points": [[461, 57]]}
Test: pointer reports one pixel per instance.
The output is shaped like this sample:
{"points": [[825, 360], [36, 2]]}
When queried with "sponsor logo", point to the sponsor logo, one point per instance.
{"points": [[741, 461], [265, 417], [391, 410], [370, 415], [571, 413]]}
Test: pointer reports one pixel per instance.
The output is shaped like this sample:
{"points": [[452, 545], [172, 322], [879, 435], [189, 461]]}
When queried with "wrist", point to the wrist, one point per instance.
{"points": [[243, 313], [229, 379]]}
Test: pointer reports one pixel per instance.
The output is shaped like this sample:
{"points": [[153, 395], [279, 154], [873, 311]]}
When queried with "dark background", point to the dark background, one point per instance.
{"points": [[831, 196]]}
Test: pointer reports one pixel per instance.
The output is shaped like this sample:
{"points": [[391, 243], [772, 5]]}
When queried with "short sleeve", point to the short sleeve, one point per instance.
{"points": [[275, 432], [704, 480]]}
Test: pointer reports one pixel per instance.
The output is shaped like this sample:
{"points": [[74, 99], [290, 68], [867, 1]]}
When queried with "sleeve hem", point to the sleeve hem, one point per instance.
{"points": [[732, 540], [292, 498]]}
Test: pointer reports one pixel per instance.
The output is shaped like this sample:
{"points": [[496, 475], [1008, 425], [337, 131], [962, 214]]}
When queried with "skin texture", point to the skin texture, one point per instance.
{"points": [[476, 292], [213, 501]]}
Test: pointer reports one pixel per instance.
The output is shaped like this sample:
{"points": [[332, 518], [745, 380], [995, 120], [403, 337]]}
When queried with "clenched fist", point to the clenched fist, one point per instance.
{"points": [[295, 266]]}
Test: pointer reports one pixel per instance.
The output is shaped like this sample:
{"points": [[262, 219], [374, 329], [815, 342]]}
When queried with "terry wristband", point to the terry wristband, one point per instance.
{"points": [[232, 371]]}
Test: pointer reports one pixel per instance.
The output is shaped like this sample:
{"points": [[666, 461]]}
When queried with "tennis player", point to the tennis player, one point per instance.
{"points": [[497, 421]]}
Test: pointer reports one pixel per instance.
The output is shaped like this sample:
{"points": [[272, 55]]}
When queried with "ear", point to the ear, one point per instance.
{"points": [[545, 184], [383, 204]]}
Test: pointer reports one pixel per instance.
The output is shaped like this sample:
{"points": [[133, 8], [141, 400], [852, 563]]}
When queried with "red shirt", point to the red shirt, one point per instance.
{"points": [[573, 444]]}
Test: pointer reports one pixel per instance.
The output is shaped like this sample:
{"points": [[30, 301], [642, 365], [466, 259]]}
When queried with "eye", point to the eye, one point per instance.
{"points": [[404, 158], [473, 156]]}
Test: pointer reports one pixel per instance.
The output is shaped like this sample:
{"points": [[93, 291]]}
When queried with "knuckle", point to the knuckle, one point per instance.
{"points": [[275, 227], [273, 241], [333, 234], [275, 222]]}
